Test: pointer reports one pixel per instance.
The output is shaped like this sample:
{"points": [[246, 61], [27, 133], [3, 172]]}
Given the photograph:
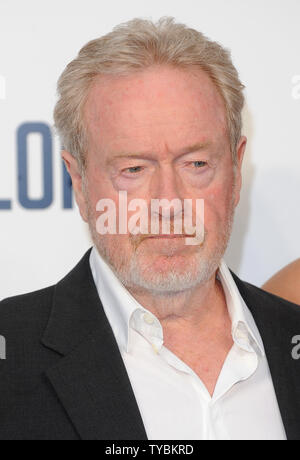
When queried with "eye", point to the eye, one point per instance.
{"points": [[199, 164], [132, 169]]}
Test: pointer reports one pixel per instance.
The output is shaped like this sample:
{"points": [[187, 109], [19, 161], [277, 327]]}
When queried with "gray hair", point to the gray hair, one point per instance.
{"points": [[132, 47]]}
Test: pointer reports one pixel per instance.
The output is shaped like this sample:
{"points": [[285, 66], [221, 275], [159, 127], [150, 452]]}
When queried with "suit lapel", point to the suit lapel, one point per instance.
{"points": [[278, 322], [90, 379]]}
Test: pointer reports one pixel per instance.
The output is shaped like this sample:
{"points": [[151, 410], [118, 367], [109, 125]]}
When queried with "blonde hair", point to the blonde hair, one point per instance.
{"points": [[134, 46]]}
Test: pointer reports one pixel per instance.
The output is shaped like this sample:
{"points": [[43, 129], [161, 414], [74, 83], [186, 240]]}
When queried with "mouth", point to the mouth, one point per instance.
{"points": [[169, 236]]}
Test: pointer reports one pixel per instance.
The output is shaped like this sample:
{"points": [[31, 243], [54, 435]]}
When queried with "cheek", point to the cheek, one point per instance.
{"points": [[218, 207], [99, 188]]}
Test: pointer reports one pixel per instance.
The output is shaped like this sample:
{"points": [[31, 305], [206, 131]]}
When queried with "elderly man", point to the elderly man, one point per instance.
{"points": [[150, 337]]}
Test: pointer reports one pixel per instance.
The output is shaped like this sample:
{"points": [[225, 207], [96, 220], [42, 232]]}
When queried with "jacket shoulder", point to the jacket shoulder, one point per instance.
{"points": [[279, 301], [26, 311], [267, 304]]}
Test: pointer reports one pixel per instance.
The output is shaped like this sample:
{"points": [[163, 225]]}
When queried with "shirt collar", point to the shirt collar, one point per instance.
{"points": [[244, 330], [122, 309], [119, 305]]}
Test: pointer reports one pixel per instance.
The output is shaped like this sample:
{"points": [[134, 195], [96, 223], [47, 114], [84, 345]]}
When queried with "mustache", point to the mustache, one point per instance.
{"points": [[140, 237]]}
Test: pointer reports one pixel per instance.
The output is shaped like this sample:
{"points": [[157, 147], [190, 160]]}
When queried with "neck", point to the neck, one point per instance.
{"points": [[191, 310], [196, 327]]}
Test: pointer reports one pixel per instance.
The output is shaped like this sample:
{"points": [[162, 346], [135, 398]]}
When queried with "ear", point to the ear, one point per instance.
{"points": [[74, 171], [240, 156]]}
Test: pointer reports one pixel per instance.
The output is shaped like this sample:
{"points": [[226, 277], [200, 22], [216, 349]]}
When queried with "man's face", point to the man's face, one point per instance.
{"points": [[143, 131]]}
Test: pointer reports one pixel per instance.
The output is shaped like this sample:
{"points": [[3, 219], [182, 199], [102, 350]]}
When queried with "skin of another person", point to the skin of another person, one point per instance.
{"points": [[141, 132], [286, 283]]}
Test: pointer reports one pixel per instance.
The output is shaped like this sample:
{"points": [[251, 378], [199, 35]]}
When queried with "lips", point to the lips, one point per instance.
{"points": [[169, 236]]}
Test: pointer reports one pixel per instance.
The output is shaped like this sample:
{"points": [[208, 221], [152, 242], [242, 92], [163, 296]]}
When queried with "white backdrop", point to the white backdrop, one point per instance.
{"points": [[37, 40]]}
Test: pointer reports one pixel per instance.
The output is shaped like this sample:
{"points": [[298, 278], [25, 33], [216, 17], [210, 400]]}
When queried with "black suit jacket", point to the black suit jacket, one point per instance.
{"points": [[64, 377]]}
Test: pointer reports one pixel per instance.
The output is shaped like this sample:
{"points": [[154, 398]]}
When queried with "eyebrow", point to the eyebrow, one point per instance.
{"points": [[146, 155]]}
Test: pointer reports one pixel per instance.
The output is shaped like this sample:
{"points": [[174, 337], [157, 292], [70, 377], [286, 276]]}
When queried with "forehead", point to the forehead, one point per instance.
{"points": [[156, 107]]}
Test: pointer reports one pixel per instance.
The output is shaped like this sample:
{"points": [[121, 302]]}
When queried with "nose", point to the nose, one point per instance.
{"points": [[166, 185]]}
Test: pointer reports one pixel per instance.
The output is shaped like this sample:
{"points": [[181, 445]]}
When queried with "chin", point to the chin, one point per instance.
{"points": [[163, 263], [165, 282]]}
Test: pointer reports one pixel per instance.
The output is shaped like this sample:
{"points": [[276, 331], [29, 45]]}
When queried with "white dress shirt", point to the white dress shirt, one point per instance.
{"points": [[173, 401]]}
